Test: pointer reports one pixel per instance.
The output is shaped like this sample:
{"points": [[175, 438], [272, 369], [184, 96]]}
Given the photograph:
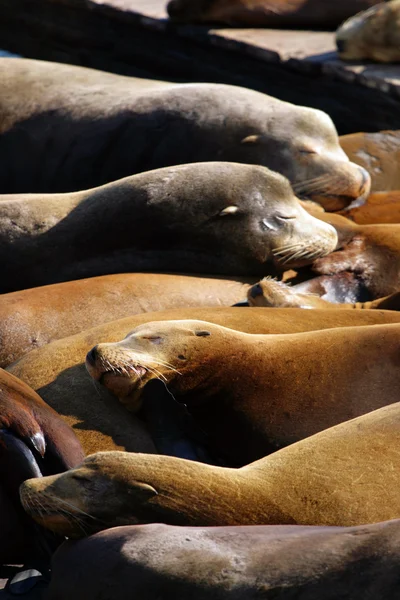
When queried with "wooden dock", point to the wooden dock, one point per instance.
{"points": [[135, 37]]}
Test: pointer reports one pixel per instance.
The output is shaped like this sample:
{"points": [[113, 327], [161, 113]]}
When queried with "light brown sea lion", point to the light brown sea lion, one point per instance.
{"points": [[33, 441], [373, 34], [277, 294], [253, 394], [350, 563], [32, 318], [381, 207], [57, 371], [225, 218], [267, 13], [379, 154], [347, 475], [54, 118]]}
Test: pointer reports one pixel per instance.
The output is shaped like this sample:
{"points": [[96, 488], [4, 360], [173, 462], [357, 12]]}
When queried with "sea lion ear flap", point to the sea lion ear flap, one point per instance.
{"points": [[229, 210], [142, 490], [202, 333], [252, 139]]}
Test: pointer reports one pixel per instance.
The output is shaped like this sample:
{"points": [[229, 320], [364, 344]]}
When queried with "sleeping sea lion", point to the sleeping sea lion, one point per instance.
{"points": [[321, 14], [223, 218], [373, 34], [54, 118], [347, 475], [350, 563], [57, 371], [253, 394], [34, 317]]}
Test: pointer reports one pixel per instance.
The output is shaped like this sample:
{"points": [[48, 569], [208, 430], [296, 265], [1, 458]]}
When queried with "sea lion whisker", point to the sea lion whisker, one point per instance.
{"points": [[57, 501]]}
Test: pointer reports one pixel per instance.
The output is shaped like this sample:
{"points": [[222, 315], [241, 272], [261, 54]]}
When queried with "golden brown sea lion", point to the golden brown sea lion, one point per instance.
{"points": [[347, 475], [350, 563], [57, 371], [32, 318], [277, 294], [373, 34], [253, 394], [223, 218], [267, 13], [379, 154], [54, 118]]}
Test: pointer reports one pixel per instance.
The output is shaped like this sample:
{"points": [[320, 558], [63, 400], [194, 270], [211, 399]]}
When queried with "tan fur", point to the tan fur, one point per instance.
{"points": [[58, 373], [347, 475], [32, 318], [372, 35], [381, 207], [267, 13], [253, 394], [379, 154]]}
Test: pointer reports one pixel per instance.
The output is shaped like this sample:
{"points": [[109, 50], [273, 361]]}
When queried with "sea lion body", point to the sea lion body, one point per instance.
{"points": [[223, 218], [381, 207], [379, 154], [277, 294], [373, 34], [372, 252], [253, 394], [267, 13], [347, 475], [57, 371], [34, 440], [32, 318], [352, 563], [63, 116]]}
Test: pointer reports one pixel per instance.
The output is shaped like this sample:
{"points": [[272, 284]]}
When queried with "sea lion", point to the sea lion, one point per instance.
{"points": [[32, 318], [34, 440], [57, 371], [371, 252], [54, 118], [381, 207], [277, 294], [379, 154], [353, 563], [253, 394], [204, 218], [373, 34], [347, 475], [321, 14]]}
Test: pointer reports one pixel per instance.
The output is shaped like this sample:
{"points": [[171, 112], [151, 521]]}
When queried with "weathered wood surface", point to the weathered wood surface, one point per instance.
{"points": [[134, 37]]}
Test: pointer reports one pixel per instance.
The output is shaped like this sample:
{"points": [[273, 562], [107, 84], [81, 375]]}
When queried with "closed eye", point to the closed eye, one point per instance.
{"points": [[156, 339], [286, 218], [306, 151]]}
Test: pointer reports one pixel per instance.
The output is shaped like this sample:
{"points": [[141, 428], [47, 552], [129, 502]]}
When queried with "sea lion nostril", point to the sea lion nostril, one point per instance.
{"points": [[91, 356], [256, 290], [341, 45]]}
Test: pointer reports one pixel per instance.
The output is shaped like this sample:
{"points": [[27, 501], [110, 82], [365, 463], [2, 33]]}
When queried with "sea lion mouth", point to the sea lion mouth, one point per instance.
{"points": [[56, 514]]}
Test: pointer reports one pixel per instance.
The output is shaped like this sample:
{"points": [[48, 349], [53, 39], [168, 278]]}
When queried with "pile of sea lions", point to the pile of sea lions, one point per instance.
{"points": [[167, 404]]}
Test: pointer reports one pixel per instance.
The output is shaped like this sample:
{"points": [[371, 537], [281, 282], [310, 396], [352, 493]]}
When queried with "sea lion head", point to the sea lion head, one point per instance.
{"points": [[98, 494], [371, 34], [176, 352], [302, 144], [277, 294], [250, 207]]}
